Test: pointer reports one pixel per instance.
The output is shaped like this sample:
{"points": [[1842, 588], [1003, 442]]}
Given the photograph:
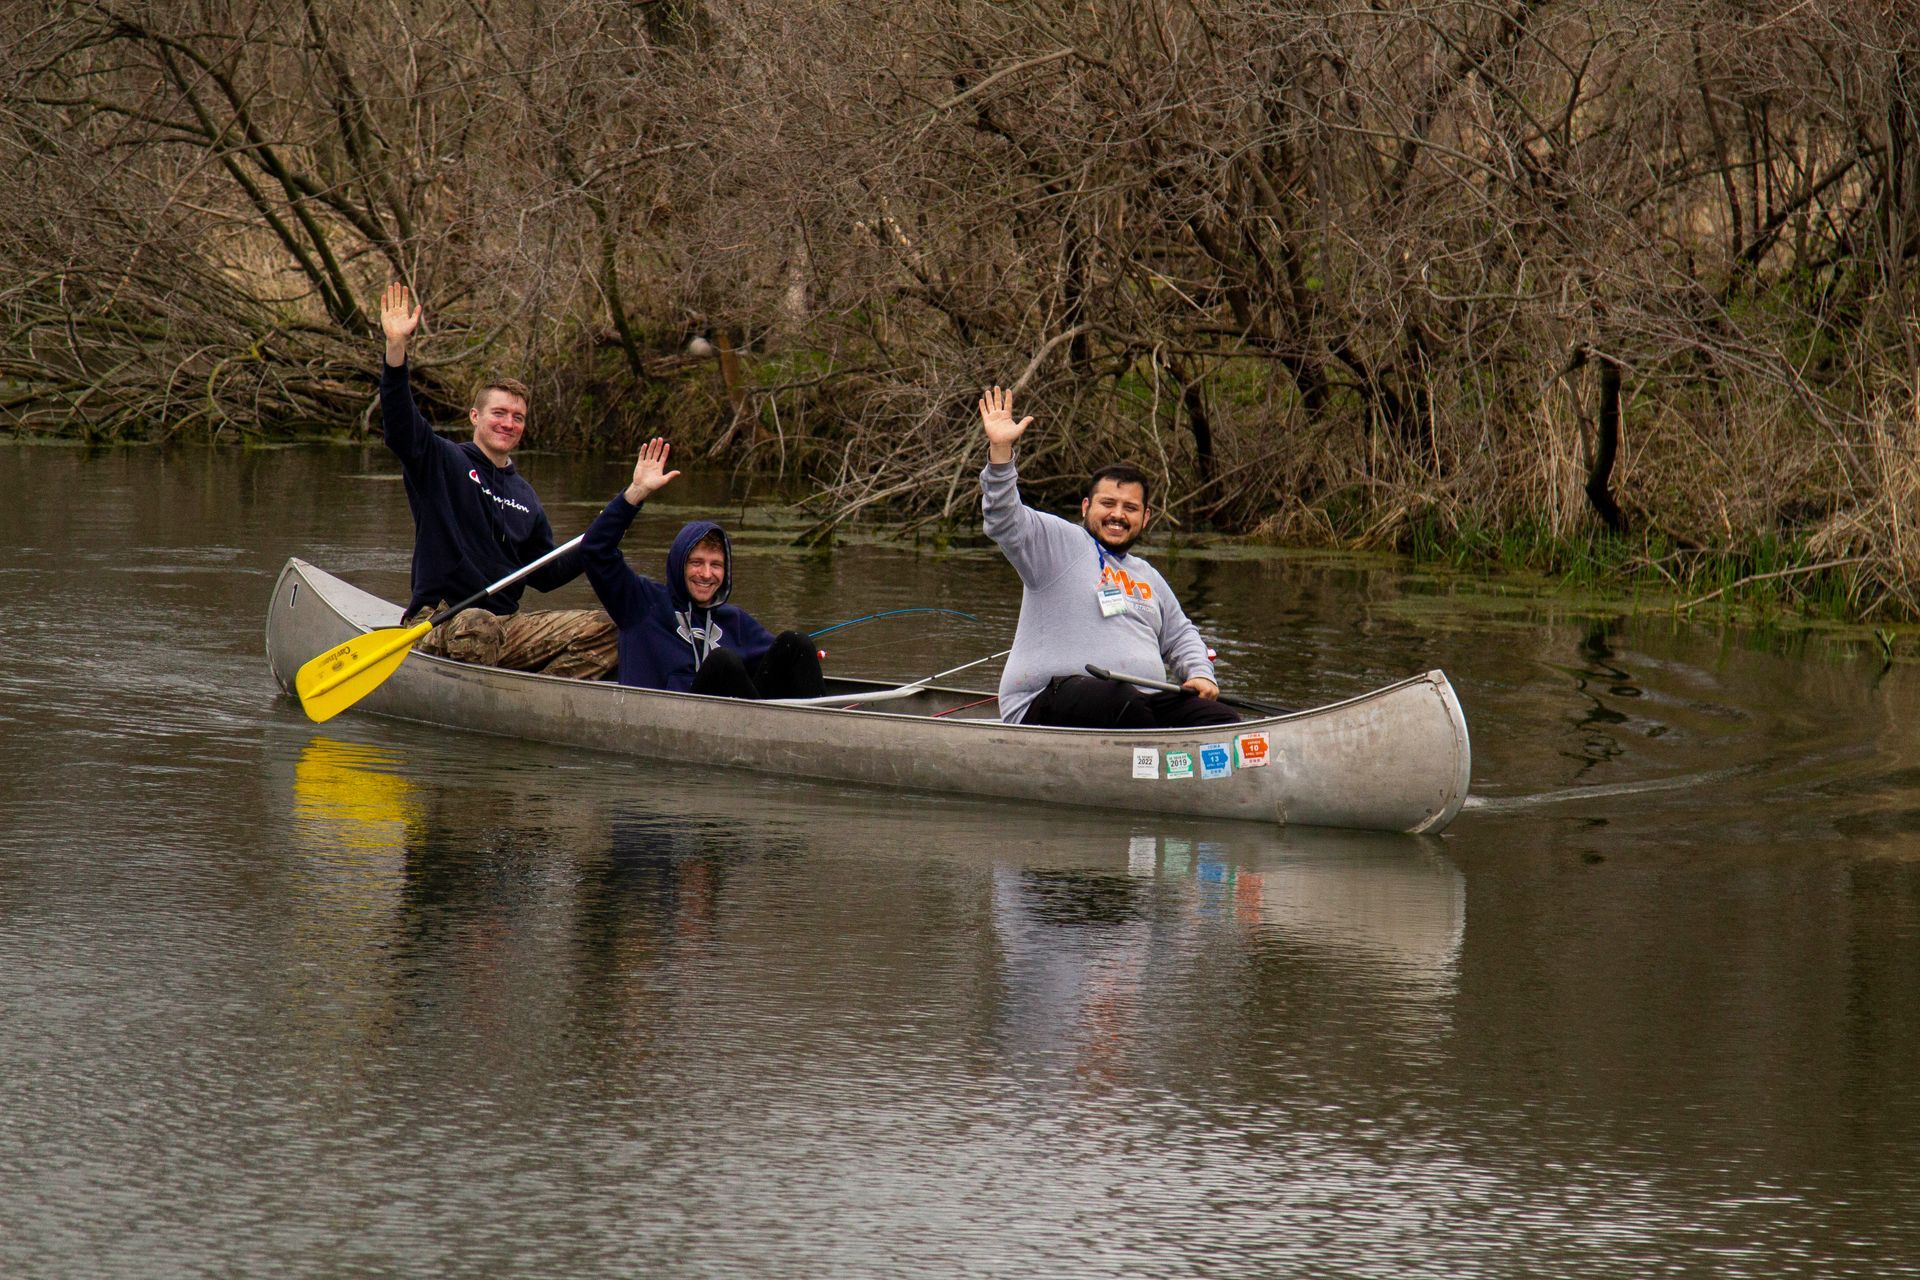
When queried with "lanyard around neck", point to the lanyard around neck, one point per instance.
{"points": [[1100, 555]]}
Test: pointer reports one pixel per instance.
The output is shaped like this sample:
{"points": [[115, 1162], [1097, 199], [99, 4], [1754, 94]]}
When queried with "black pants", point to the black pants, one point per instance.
{"points": [[1082, 702], [791, 669]]}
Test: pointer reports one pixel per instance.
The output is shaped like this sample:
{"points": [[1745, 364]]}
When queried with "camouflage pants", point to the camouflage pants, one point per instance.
{"points": [[581, 643]]}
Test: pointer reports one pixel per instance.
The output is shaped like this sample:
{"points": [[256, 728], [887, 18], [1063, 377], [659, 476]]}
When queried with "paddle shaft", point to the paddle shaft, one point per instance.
{"points": [[505, 582], [1148, 682], [340, 677]]}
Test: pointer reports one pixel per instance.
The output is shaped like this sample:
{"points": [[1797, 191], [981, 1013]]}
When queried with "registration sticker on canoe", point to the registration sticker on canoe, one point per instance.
{"points": [[1250, 751], [1146, 762], [1215, 760], [1179, 764]]}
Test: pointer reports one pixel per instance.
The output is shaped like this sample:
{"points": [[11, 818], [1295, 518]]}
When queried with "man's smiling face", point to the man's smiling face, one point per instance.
{"points": [[1116, 514], [706, 572], [498, 422]]}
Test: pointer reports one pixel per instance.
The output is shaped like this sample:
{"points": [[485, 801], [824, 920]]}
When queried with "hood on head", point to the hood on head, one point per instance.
{"points": [[683, 542]]}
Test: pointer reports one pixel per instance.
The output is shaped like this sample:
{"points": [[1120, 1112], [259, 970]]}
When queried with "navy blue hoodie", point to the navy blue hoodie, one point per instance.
{"points": [[664, 636], [473, 523]]}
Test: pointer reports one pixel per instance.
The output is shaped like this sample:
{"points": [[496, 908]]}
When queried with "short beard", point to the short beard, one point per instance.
{"points": [[1112, 550]]}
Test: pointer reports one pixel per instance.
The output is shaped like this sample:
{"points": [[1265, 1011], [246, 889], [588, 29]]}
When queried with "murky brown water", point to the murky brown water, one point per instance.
{"points": [[370, 997]]}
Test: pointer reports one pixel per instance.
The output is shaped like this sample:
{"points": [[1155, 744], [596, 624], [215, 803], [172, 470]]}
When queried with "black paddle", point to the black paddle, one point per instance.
{"points": [[1148, 682]]}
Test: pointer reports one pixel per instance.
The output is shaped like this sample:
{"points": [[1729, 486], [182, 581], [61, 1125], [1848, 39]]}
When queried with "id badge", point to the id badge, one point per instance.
{"points": [[1113, 601]]}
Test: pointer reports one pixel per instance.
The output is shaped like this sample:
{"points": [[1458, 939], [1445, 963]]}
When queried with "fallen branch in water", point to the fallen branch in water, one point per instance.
{"points": [[1777, 573]]}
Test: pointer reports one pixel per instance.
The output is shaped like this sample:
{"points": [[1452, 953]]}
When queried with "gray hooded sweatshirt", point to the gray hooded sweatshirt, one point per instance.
{"points": [[1062, 629]]}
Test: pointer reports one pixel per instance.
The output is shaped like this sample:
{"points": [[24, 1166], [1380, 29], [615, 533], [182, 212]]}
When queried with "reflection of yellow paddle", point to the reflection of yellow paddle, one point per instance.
{"points": [[356, 793], [346, 673], [343, 892]]}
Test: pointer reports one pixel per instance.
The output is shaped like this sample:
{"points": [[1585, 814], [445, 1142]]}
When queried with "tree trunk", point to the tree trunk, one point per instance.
{"points": [[734, 374], [1606, 448]]}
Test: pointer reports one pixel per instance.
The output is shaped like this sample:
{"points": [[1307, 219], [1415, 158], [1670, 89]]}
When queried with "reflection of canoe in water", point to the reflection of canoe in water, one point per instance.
{"points": [[1384, 902], [1346, 907], [1404, 911], [1395, 759]]}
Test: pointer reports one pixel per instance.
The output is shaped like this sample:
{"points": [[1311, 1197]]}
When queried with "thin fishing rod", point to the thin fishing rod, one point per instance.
{"points": [[952, 671], [885, 695], [890, 613]]}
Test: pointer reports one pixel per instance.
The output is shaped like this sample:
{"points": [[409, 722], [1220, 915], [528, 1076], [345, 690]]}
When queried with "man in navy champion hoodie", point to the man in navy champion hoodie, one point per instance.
{"points": [[476, 520], [681, 634]]}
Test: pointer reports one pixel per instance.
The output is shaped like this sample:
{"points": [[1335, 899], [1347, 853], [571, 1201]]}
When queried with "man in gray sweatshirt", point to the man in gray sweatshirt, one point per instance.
{"points": [[1088, 599]]}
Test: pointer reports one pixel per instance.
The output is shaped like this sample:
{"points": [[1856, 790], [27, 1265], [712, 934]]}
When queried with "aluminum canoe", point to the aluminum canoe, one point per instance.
{"points": [[1395, 759]]}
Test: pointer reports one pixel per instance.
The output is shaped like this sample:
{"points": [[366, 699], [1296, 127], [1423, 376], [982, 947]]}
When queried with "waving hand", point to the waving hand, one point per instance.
{"points": [[650, 474], [996, 419], [399, 317]]}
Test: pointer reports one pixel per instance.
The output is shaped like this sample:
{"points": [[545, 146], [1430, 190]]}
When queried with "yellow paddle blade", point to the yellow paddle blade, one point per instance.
{"points": [[344, 674]]}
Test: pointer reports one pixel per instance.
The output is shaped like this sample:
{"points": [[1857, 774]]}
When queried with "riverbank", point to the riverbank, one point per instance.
{"points": [[1762, 583]]}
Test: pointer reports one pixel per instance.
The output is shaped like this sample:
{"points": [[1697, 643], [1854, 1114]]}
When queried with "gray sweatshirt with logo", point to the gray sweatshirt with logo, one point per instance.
{"points": [[1061, 627]]}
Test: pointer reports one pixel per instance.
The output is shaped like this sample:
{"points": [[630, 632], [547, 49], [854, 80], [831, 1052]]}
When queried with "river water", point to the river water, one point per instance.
{"points": [[373, 998]]}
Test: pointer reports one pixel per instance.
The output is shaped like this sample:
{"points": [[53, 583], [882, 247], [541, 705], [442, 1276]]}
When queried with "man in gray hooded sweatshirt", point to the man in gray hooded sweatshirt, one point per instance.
{"points": [[1088, 599]]}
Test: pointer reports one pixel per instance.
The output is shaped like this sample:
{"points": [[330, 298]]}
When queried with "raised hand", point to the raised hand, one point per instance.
{"points": [[996, 419], [399, 317], [650, 474]]}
